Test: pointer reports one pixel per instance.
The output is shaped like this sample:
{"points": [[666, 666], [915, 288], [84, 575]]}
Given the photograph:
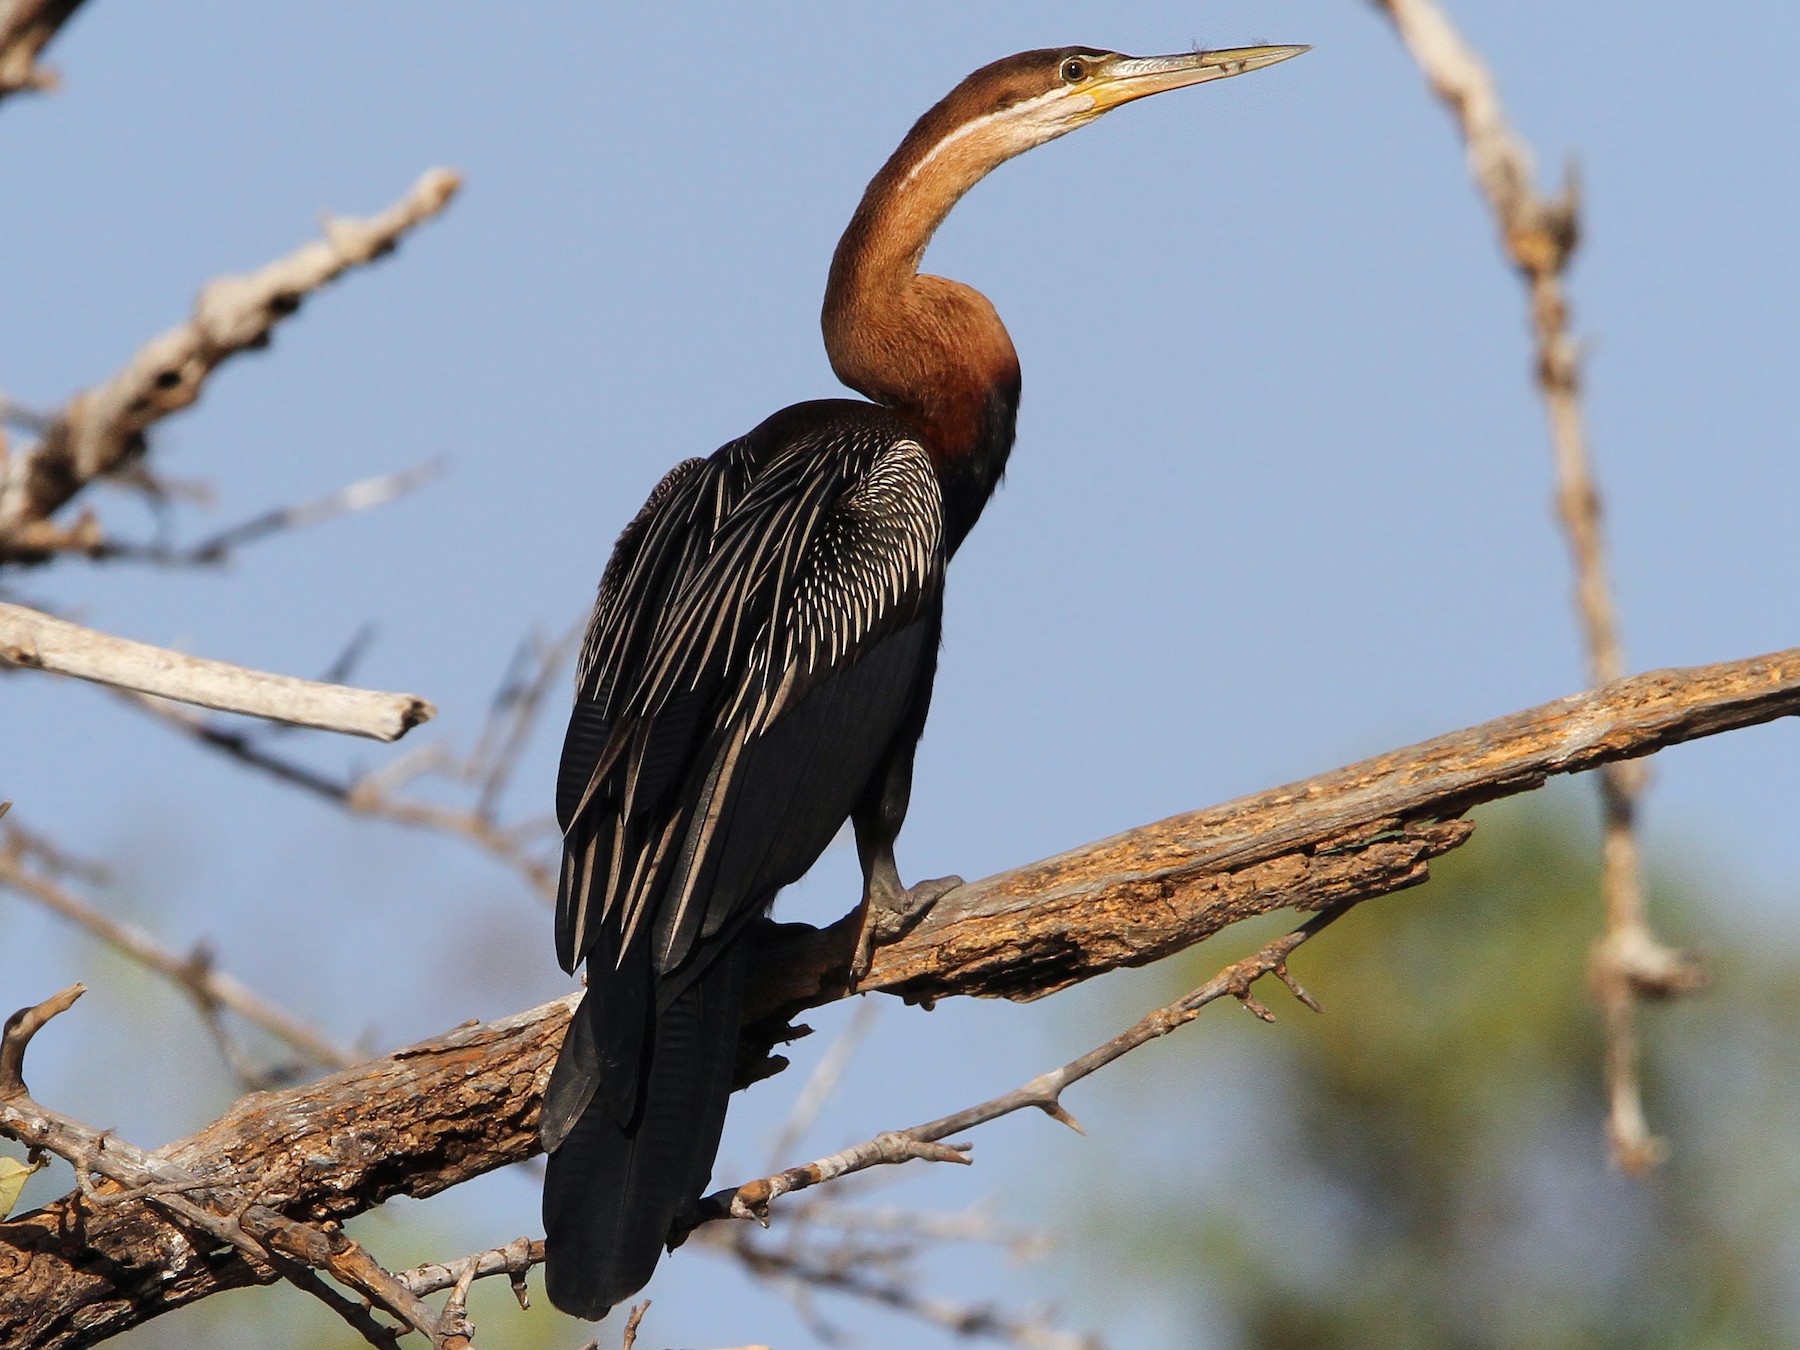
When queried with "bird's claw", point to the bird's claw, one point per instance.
{"points": [[888, 918]]}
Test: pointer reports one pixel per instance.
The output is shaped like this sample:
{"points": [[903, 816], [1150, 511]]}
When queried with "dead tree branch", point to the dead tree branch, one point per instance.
{"points": [[102, 430], [221, 547], [211, 1207], [1044, 1092], [379, 796], [1539, 235], [439, 1113], [870, 1255], [26, 27], [970, 1320], [513, 1261], [36, 641]]}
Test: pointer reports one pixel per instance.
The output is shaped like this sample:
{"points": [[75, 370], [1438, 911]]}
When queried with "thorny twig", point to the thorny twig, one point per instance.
{"points": [[1539, 235], [753, 1199]]}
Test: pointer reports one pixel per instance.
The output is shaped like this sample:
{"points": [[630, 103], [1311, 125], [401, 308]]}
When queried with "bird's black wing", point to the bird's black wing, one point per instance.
{"points": [[760, 634]]}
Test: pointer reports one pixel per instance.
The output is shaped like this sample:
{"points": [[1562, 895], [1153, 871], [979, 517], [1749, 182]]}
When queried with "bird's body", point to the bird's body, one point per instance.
{"points": [[759, 669]]}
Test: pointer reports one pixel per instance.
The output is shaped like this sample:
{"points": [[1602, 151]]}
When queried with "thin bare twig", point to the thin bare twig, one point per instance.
{"points": [[753, 1199], [869, 1255], [514, 713], [240, 742], [632, 1323], [823, 1082], [513, 1260], [378, 794], [101, 431], [193, 973], [15, 1039], [29, 847], [37, 641], [26, 27], [909, 1225], [844, 1269], [1539, 235], [972, 1320], [219, 548], [16, 414]]}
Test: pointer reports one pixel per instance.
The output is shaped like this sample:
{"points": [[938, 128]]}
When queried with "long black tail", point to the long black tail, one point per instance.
{"points": [[614, 1186]]}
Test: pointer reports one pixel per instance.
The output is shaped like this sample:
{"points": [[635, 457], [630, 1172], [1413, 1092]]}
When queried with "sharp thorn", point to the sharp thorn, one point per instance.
{"points": [[1056, 1111], [1255, 1008], [1297, 989]]}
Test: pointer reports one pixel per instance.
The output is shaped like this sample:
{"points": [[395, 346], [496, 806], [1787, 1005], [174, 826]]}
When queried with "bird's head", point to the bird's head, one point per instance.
{"points": [[1018, 102], [937, 346]]}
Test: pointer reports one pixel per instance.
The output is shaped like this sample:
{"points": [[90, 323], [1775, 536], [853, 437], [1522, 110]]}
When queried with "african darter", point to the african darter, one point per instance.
{"points": [[759, 666]]}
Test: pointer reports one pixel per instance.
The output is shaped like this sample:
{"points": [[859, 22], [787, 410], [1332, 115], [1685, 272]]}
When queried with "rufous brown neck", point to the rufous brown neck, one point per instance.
{"points": [[923, 344]]}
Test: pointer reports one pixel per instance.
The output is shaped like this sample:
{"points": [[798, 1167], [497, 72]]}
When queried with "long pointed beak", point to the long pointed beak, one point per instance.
{"points": [[1134, 77]]}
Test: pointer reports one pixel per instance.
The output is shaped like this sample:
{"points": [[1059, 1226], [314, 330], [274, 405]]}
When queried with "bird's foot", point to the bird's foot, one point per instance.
{"points": [[888, 917]]}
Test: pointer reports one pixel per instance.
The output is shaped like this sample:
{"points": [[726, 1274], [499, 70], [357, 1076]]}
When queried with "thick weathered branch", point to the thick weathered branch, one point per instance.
{"points": [[442, 1112], [102, 429], [39, 642], [26, 27], [112, 1266], [212, 1207], [1365, 829]]}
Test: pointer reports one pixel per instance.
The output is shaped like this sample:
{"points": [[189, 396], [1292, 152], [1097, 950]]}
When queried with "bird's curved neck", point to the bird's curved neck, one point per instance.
{"points": [[921, 344]]}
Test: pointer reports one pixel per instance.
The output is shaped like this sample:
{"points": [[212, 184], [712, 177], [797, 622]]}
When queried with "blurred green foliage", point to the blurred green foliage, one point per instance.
{"points": [[1424, 1167]]}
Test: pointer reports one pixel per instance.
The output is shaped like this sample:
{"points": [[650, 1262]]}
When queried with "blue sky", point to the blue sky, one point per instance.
{"points": [[1280, 497]]}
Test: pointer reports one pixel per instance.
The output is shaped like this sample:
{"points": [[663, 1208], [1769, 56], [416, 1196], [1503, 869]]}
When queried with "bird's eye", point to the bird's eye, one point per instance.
{"points": [[1074, 70]]}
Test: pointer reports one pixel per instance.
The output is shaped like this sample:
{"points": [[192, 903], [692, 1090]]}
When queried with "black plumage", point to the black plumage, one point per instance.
{"points": [[759, 663]]}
